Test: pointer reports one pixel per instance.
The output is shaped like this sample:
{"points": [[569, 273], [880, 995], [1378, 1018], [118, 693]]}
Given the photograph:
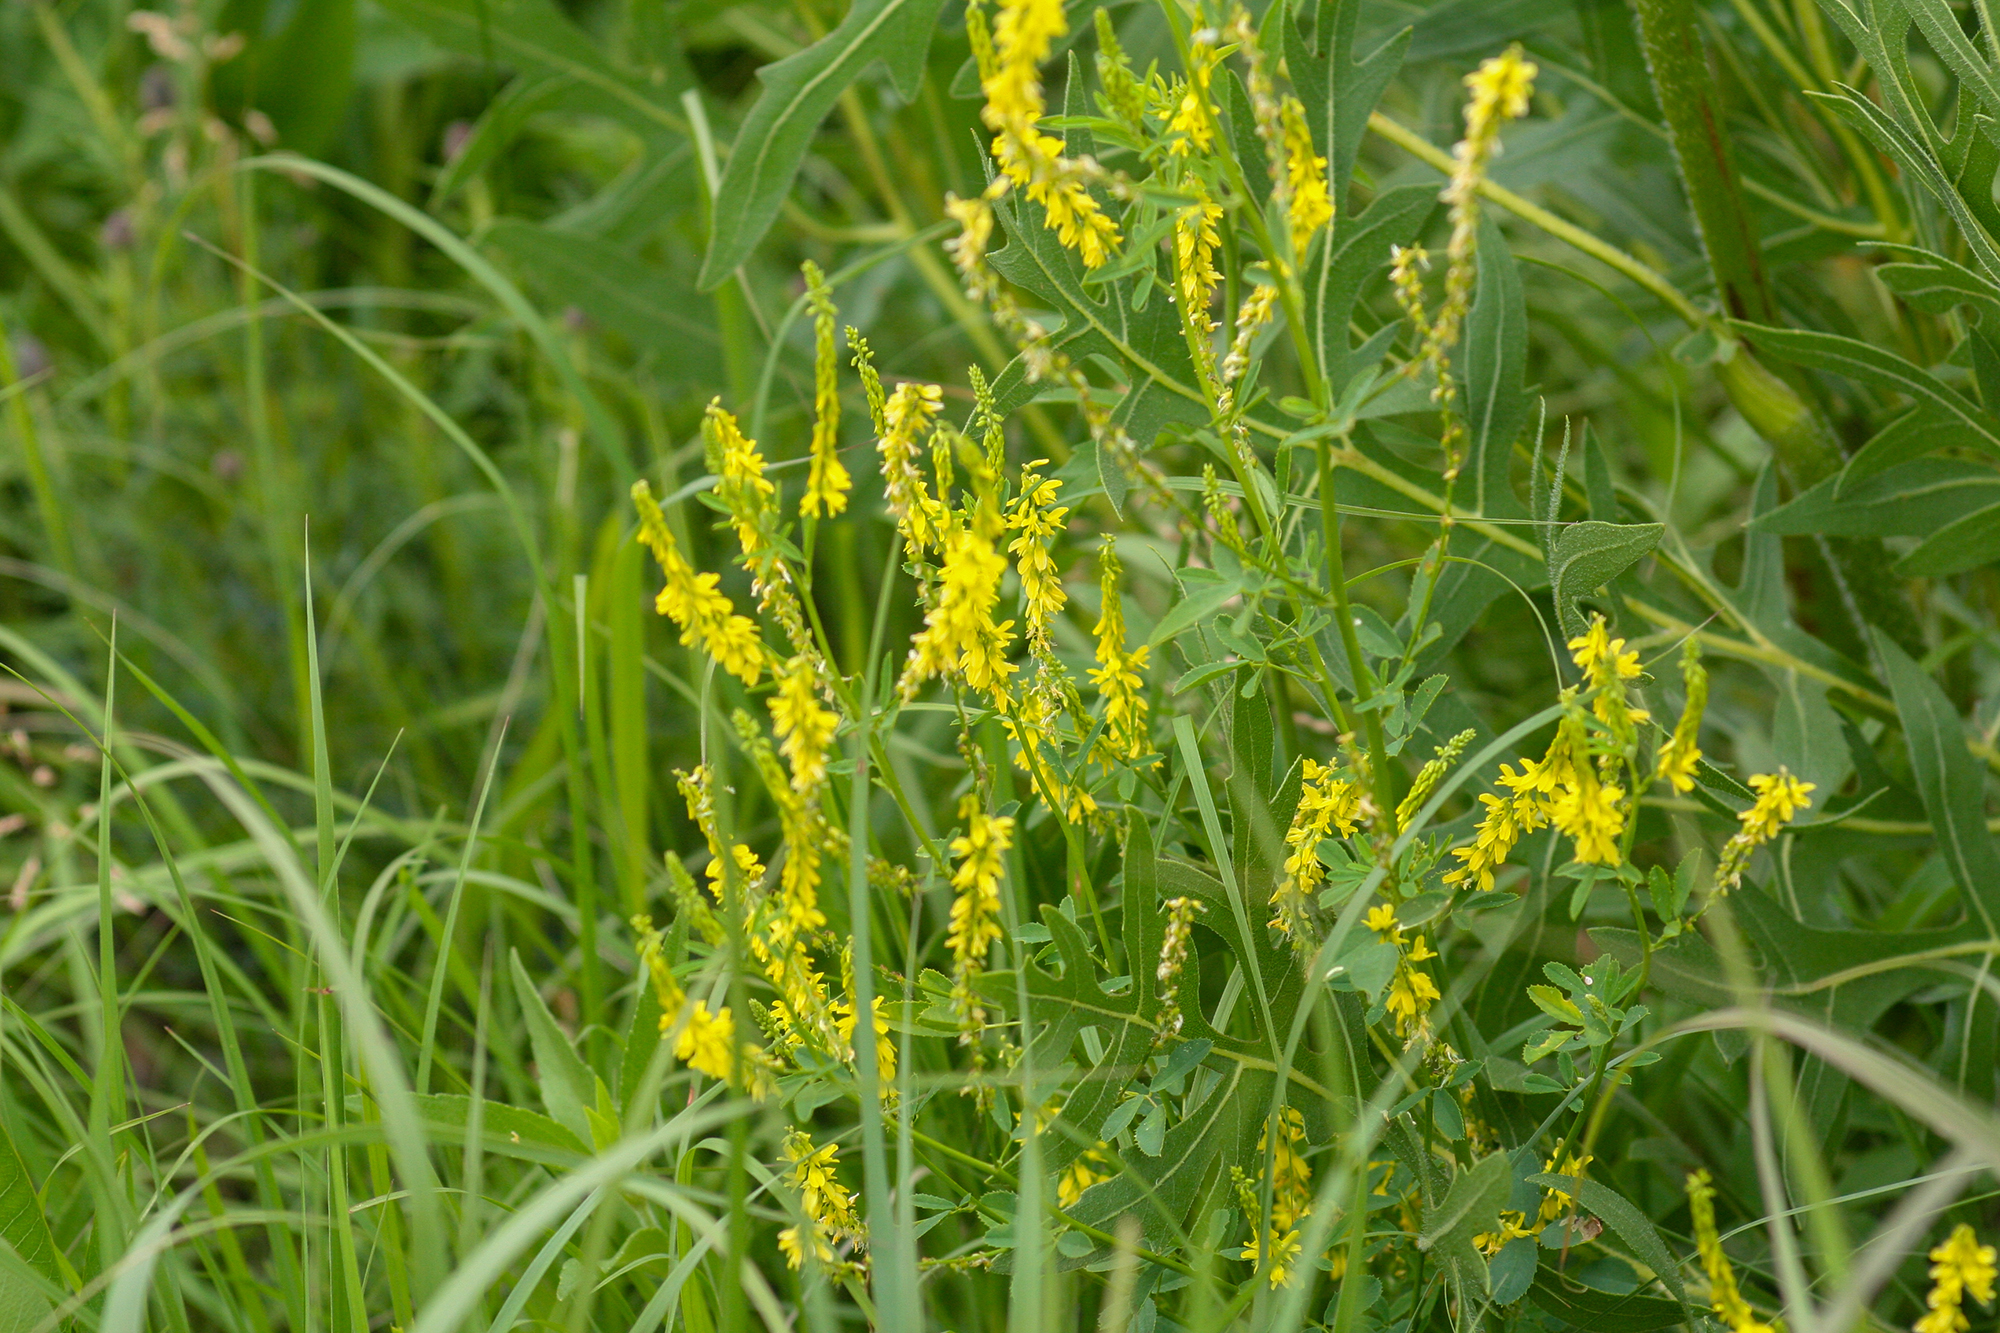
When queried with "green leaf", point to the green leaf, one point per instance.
{"points": [[1923, 430], [24, 1305], [1589, 555], [645, 305], [798, 92], [536, 37], [1202, 599], [1965, 543], [1951, 781], [1512, 1271], [1933, 283], [1604, 1311], [1492, 364], [1867, 364], [568, 1087], [1470, 1208], [1910, 500], [22, 1223], [507, 1129], [1356, 251], [1632, 1226]]}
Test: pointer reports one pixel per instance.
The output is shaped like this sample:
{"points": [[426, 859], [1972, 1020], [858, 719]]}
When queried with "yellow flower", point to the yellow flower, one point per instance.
{"points": [[1555, 1202], [1010, 77], [1089, 1167], [1678, 757], [708, 1041], [1960, 1266], [1381, 919], [1326, 803], [975, 911], [1309, 206], [1499, 830], [1724, 1299], [742, 487], [907, 415], [1512, 1227], [829, 1208], [1036, 518], [827, 483], [805, 728], [1780, 797], [885, 1050], [1589, 813], [1117, 673], [692, 601], [959, 634], [1284, 1253]]}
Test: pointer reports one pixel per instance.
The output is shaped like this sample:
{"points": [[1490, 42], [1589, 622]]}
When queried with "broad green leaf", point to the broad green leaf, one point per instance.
{"points": [[1951, 781], [1202, 599], [646, 306], [1471, 1207], [568, 1087], [22, 1224], [1357, 249], [1604, 1311], [798, 92], [1632, 1226], [1965, 543], [1923, 430], [1911, 500], [1867, 364], [1589, 555], [24, 1304]]}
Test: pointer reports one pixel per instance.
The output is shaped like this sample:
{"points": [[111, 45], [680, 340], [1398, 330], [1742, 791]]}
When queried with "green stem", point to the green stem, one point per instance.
{"points": [[1336, 573]]}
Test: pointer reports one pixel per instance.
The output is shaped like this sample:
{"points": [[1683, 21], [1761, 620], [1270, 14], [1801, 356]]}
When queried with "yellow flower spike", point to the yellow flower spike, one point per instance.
{"points": [[1194, 112], [1037, 519], [1724, 1298], [1117, 674], [827, 483], [885, 1050], [960, 636], [1960, 1267], [1310, 205], [1195, 244], [828, 1207], [1780, 797], [804, 726], [906, 416], [708, 1042], [975, 910], [692, 601], [1173, 957], [1023, 34], [1678, 757], [1326, 804]]}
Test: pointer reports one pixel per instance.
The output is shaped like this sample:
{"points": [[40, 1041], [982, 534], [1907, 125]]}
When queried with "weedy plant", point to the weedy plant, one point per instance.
{"points": [[1134, 920]]}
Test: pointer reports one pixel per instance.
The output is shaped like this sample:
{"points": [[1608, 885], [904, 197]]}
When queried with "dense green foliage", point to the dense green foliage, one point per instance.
{"points": [[344, 746]]}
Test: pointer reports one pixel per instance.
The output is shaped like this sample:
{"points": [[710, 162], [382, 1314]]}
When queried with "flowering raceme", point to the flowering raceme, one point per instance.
{"points": [[705, 615]]}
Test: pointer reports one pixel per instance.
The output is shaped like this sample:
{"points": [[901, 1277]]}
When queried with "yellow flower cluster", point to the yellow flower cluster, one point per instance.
{"points": [[975, 910], [1117, 674], [1191, 129], [1010, 77], [1089, 1167], [1308, 203], [1195, 243], [1724, 1298], [1291, 1198], [694, 602], [829, 1209], [827, 483], [1780, 797], [1173, 957], [705, 1041], [1326, 804], [1411, 992], [905, 417], [960, 636], [1035, 518], [1563, 788], [1961, 1266], [1678, 757]]}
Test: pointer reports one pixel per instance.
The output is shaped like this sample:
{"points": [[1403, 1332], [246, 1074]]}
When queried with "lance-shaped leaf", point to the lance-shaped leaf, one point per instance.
{"points": [[1962, 544], [1868, 364], [22, 1223], [1951, 783], [1604, 1311], [1470, 1208], [1589, 555], [1632, 1226], [1913, 500], [798, 92], [567, 1084]]}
